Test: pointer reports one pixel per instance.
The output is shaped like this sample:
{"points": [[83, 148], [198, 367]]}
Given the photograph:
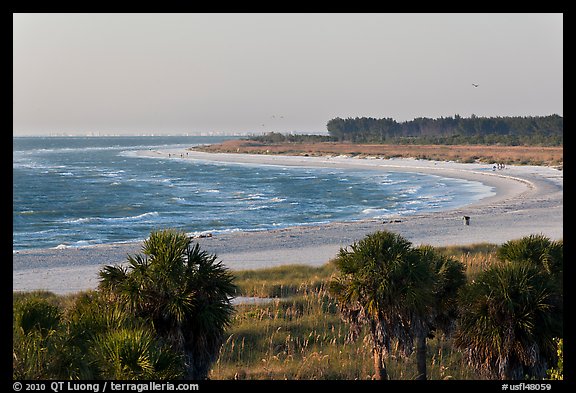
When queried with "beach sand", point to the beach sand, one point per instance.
{"points": [[526, 200]]}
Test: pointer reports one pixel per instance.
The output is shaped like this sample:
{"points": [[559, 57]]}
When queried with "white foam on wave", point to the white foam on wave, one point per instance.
{"points": [[78, 244], [375, 210], [111, 219], [260, 207]]}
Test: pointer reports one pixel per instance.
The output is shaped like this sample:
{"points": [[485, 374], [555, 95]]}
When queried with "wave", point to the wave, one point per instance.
{"points": [[373, 210], [251, 197], [78, 244], [311, 177], [111, 219], [197, 234], [411, 190], [261, 207], [30, 164]]}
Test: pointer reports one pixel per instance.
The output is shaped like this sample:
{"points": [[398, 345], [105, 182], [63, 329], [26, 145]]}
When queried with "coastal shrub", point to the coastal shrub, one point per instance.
{"points": [[36, 315], [69, 342], [35, 325], [134, 354]]}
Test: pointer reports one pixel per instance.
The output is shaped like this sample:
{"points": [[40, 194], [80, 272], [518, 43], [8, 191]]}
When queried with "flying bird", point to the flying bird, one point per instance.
{"points": [[474, 84]]}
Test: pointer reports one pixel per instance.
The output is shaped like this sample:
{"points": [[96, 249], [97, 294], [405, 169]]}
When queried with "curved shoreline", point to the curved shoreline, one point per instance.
{"points": [[527, 200]]}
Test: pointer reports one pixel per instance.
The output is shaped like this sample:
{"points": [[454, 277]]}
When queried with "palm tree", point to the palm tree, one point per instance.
{"points": [[183, 291], [540, 251], [383, 283], [449, 278], [506, 326]]}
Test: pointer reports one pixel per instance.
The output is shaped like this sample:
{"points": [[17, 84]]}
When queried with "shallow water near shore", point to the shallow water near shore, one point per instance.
{"points": [[84, 191]]}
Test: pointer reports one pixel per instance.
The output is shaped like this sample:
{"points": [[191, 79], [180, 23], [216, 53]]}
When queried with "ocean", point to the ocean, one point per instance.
{"points": [[83, 191]]}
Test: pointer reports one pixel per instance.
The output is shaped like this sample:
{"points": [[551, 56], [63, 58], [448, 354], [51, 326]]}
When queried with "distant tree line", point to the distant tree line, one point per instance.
{"points": [[276, 137], [516, 130]]}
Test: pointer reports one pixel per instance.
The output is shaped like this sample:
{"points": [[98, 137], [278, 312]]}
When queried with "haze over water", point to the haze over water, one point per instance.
{"points": [[82, 191]]}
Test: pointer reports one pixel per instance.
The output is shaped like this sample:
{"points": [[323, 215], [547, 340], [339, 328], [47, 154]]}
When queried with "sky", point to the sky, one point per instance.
{"points": [[251, 73]]}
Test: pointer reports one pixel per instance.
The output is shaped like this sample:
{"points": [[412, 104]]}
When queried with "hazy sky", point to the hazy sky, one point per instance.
{"points": [[176, 73]]}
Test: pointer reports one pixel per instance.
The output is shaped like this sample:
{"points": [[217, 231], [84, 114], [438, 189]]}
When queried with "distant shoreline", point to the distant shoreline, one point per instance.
{"points": [[527, 200]]}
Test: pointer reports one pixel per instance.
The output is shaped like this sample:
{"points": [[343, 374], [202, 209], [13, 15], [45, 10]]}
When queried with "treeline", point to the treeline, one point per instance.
{"points": [[276, 137], [516, 130]]}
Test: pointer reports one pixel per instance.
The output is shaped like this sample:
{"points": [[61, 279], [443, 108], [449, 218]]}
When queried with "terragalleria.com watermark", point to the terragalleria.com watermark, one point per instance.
{"points": [[104, 386]]}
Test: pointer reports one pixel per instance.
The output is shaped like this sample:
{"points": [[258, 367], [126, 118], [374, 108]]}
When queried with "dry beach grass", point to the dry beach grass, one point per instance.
{"points": [[523, 155]]}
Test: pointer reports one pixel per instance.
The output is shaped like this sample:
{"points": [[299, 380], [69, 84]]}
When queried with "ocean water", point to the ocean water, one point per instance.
{"points": [[82, 191]]}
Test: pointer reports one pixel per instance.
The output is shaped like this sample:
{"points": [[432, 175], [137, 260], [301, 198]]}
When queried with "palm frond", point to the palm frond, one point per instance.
{"points": [[112, 276]]}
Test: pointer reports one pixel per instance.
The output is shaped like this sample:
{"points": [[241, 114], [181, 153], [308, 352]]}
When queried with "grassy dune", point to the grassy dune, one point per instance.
{"points": [[517, 155], [299, 335]]}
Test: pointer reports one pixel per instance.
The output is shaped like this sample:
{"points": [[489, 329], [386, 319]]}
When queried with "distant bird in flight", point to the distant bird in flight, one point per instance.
{"points": [[474, 84]]}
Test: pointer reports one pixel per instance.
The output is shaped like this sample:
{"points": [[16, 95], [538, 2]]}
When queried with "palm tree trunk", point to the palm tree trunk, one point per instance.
{"points": [[190, 373], [421, 356], [380, 372]]}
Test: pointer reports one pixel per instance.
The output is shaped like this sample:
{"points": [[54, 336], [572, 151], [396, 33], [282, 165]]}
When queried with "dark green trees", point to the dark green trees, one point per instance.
{"points": [[510, 130], [182, 291]]}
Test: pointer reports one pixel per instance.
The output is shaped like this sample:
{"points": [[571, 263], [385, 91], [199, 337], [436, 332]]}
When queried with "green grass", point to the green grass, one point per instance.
{"points": [[282, 281]]}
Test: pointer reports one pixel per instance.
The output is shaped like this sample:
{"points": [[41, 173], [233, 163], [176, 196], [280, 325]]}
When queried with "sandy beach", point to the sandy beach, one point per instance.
{"points": [[526, 200]]}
